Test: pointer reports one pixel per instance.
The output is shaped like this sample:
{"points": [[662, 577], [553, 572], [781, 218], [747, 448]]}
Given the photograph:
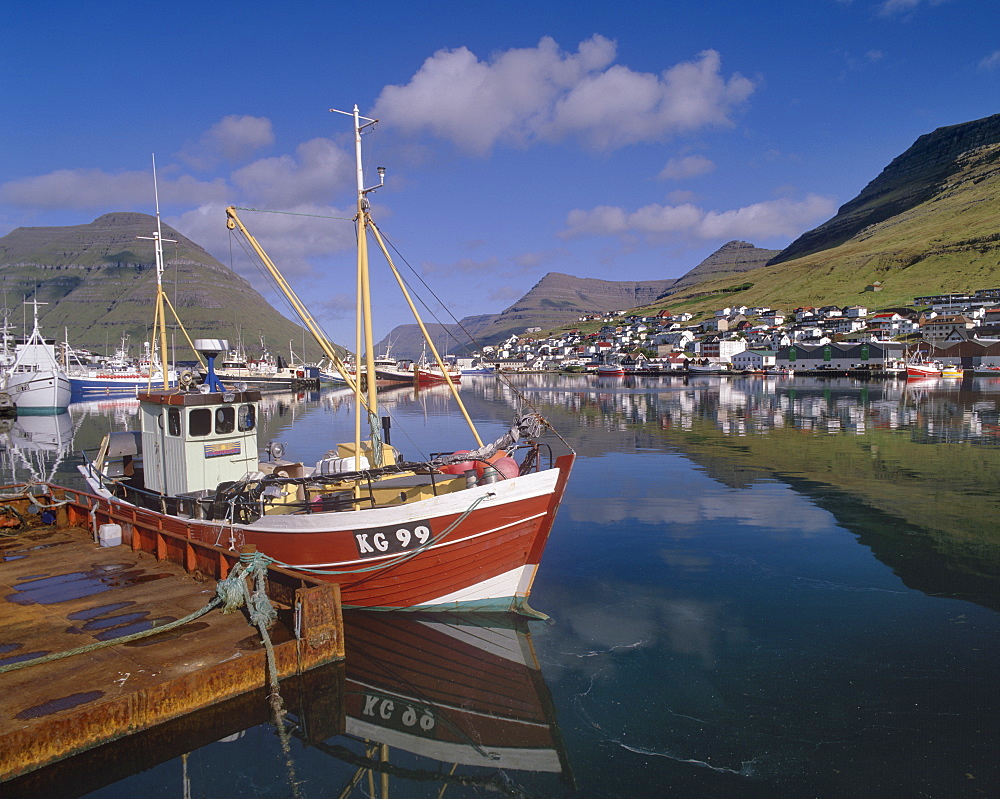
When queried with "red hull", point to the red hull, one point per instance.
{"points": [[473, 693], [487, 561], [430, 378]]}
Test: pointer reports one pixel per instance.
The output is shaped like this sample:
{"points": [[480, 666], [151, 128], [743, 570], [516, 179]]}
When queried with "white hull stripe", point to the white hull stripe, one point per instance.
{"points": [[502, 585], [396, 555], [519, 758]]}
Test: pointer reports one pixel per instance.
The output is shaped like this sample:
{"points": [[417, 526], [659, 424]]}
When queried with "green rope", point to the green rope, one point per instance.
{"points": [[262, 614], [398, 559], [112, 642]]}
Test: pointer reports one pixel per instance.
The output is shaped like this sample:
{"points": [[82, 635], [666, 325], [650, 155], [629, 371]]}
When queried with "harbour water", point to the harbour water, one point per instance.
{"points": [[761, 587]]}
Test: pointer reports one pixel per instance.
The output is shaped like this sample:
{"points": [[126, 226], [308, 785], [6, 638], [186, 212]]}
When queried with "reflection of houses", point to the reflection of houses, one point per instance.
{"points": [[869, 355]]}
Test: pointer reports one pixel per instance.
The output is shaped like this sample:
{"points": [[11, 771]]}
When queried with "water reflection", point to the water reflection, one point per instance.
{"points": [[760, 587], [441, 701]]}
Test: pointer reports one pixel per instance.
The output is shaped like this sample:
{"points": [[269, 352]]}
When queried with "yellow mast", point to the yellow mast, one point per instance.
{"points": [[364, 283]]}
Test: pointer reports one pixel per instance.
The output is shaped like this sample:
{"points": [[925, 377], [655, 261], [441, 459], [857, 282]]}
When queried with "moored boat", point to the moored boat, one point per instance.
{"points": [[453, 532], [610, 370], [35, 380]]}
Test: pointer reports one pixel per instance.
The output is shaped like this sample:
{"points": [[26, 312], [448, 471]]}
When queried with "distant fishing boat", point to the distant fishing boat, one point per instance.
{"points": [[459, 530], [918, 367], [35, 380]]}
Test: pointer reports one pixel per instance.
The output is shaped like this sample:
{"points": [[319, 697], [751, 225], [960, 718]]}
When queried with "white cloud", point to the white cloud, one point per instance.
{"points": [[95, 188], [658, 223], [523, 96], [891, 8], [233, 138], [290, 239], [991, 62], [690, 166], [310, 176]]}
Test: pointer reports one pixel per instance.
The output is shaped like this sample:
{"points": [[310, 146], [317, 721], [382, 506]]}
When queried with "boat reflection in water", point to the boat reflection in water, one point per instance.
{"points": [[445, 700], [460, 689], [33, 447]]}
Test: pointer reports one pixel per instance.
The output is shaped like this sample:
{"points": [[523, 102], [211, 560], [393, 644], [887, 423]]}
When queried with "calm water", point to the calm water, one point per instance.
{"points": [[762, 588]]}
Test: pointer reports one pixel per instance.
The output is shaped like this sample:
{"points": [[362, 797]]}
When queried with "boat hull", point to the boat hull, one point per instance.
{"points": [[917, 370], [120, 386], [481, 548], [39, 390]]}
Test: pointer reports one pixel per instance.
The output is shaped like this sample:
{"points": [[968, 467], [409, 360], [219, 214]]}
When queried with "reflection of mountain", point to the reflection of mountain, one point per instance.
{"points": [[911, 470]]}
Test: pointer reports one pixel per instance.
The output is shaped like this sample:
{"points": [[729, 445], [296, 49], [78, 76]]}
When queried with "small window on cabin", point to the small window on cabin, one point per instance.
{"points": [[225, 419], [174, 421], [200, 422], [246, 417]]}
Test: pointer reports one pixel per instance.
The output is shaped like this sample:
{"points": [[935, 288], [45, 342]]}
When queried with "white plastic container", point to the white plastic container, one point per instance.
{"points": [[332, 466], [110, 535]]}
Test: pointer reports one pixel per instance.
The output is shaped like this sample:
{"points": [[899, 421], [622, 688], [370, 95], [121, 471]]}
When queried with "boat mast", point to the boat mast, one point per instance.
{"points": [[363, 331], [160, 321]]}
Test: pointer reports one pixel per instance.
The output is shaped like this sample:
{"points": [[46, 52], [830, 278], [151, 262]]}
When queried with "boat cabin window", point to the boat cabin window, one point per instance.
{"points": [[200, 422], [174, 421], [225, 419], [246, 417]]}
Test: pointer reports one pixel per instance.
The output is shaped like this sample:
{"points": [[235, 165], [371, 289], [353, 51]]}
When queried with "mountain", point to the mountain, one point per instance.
{"points": [[916, 177], [731, 259], [99, 282], [558, 300], [925, 225], [555, 300]]}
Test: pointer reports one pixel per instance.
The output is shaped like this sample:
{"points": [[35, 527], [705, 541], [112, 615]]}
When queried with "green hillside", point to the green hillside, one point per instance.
{"points": [[98, 281], [948, 242]]}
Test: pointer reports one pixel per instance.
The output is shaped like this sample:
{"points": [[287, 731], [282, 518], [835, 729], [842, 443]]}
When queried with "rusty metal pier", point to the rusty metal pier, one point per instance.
{"points": [[61, 590]]}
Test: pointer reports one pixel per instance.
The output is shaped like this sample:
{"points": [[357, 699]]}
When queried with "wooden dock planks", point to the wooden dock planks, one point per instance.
{"points": [[60, 591]]}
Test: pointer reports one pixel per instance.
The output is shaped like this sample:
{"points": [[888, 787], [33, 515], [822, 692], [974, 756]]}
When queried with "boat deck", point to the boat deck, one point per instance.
{"points": [[61, 591]]}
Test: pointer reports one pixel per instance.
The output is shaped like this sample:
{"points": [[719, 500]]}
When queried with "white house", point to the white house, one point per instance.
{"points": [[754, 359]]}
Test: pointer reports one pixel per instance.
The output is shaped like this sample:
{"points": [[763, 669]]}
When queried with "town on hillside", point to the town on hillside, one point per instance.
{"points": [[962, 330]]}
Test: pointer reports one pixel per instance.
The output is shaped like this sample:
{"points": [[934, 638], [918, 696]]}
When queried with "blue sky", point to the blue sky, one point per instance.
{"points": [[623, 141]]}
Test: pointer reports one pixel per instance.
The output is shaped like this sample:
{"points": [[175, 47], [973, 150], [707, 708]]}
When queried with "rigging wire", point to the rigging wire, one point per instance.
{"points": [[500, 375]]}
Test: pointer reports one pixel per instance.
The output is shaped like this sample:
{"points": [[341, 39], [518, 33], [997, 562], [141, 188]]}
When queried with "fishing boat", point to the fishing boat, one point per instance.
{"points": [[922, 368], [118, 376], [266, 373], [710, 368], [35, 379], [463, 529], [952, 372], [611, 368], [431, 374]]}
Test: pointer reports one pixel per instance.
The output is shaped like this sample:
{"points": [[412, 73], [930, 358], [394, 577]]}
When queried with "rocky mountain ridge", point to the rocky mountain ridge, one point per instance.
{"points": [[98, 281]]}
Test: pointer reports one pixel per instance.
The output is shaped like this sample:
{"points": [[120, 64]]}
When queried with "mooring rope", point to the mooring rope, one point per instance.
{"points": [[125, 639], [235, 593]]}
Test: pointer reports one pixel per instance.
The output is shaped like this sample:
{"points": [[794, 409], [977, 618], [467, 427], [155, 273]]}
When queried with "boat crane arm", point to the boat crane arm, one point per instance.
{"points": [[233, 222]]}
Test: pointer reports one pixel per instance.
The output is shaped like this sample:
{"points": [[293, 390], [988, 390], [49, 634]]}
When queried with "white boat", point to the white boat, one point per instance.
{"points": [[36, 381], [710, 368]]}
